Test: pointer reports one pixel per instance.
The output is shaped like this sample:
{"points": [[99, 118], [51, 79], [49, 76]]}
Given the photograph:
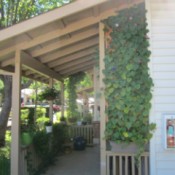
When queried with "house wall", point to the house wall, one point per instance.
{"points": [[161, 20]]}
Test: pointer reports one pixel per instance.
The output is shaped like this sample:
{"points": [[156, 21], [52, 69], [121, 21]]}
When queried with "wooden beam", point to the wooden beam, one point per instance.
{"points": [[73, 63], [96, 11], [85, 53], [34, 77], [102, 101], [3, 72], [8, 51], [78, 70], [35, 65], [78, 66], [8, 62], [59, 44], [64, 60], [37, 76], [28, 72], [46, 18], [69, 50]]}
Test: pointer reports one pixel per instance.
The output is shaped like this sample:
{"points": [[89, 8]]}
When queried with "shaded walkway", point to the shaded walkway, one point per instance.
{"points": [[85, 162]]}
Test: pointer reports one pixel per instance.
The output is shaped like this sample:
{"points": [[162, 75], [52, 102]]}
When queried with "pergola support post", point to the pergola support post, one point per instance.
{"points": [[102, 100], [51, 102], [62, 99], [15, 130]]}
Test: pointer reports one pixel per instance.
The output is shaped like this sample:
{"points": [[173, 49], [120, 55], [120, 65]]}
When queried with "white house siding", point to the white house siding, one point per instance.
{"points": [[161, 23]]}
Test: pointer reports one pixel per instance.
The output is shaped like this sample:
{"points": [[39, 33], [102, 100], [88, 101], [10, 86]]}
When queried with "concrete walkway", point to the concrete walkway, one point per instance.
{"points": [[85, 162]]}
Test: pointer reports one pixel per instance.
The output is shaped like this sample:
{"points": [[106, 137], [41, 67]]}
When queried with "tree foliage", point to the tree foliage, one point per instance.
{"points": [[14, 11]]}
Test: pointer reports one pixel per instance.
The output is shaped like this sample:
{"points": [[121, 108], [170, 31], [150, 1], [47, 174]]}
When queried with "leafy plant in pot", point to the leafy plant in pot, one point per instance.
{"points": [[26, 128], [49, 94], [127, 80], [26, 134], [48, 125]]}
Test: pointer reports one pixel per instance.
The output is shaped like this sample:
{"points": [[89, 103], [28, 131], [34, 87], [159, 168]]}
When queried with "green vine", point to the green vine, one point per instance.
{"points": [[72, 95], [127, 79]]}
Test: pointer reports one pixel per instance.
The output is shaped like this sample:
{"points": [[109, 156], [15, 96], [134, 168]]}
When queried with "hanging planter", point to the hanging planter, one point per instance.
{"points": [[26, 134], [49, 94], [26, 138]]}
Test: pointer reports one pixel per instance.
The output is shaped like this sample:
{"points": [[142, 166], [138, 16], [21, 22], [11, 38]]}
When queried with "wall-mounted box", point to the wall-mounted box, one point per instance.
{"points": [[169, 131]]}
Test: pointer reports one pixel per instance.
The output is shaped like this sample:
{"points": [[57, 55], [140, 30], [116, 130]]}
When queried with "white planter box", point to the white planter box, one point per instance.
{"points": [[79, 123], [48, 129], [126, 148], [123, 148]]}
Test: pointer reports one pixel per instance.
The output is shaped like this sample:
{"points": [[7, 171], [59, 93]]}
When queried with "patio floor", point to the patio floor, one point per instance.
{"points": [[85, 162]]}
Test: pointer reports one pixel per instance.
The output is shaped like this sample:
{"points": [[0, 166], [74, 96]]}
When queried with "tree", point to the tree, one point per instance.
{"points": [[12, 12]]}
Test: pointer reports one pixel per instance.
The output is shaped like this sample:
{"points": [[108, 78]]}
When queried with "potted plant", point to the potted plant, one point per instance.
{"points": [[62, 120], [48, 125], [49, 94], [26, 128], [127, 80], [26, 135]]}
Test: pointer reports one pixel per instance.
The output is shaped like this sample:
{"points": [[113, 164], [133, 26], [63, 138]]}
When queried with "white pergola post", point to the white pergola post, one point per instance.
{"points": [[102, 101], [15, 130], [96, 96], [51, 102], [62, 99]]}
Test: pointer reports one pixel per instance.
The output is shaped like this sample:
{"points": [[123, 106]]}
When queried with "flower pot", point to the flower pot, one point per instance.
{"points": [[26, 138], [123, 147], [48, 129], [79, 123]]}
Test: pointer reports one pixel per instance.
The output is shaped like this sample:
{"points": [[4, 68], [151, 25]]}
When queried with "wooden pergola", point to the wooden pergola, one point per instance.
{"points": [[55, 45]]}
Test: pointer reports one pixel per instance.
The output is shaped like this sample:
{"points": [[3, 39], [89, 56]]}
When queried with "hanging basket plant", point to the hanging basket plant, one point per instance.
{"points": [[127, 80], [49, 94]]}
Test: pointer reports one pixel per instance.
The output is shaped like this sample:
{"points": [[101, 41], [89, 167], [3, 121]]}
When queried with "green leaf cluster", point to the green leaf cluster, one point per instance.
{"points": [[73, 81], [12, 12], [127, 80], [49, 93], [47, 147]]}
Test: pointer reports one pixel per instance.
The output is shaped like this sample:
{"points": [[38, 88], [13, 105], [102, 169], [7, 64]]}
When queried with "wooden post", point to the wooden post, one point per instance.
{"points": [[102, 101], [62, 99], [51, 102], [15, 130]]}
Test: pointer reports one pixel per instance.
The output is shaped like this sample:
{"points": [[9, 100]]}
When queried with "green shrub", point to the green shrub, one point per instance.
{"points": [[4, 165], [60, 134], [40, 112], [47, 146], [88, 118], [24, 116], [5, 156], [40, 122], [29, 112]]}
